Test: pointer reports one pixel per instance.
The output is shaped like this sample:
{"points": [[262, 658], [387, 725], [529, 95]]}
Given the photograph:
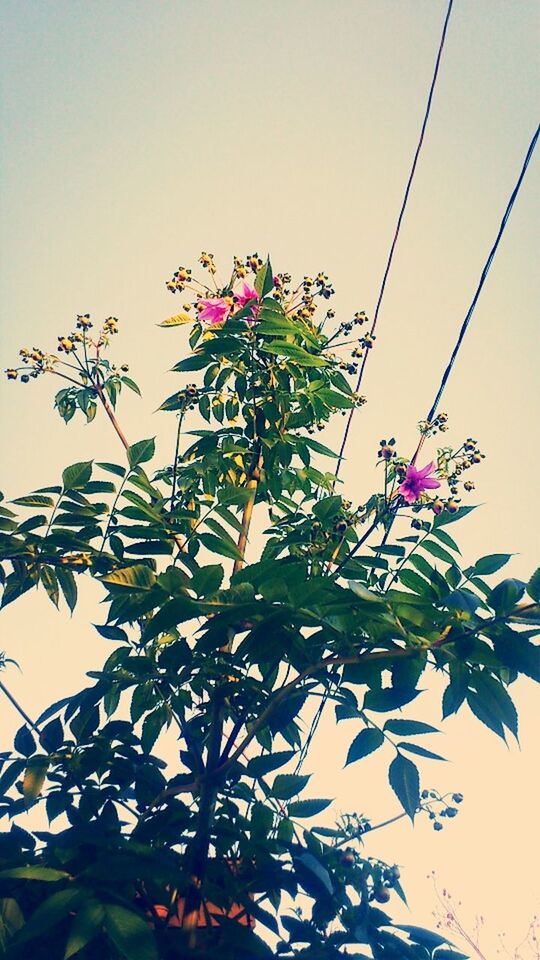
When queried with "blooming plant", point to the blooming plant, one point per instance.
{"points": [[223, 639]]}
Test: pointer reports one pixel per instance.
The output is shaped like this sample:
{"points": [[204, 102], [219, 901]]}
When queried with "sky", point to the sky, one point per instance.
{"points": [[136, 134]]}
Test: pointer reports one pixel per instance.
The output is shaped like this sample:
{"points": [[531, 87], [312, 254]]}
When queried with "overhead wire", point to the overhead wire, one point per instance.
{"points": [[316, 718], [397, 230], [481, 282]]}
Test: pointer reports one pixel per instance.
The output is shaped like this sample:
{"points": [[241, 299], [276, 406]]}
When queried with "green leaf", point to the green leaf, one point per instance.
{"points": [[141, 452], [178, 320], [222, 547], [85, 927], [171, 614], [49, 581], [11, 920], [307, 808], [111, 633], [445, 518], [43, 874], [68, 586], [151, 548], [533, 586], [492, 702], [334, 399], [77, 475], [24, 742], [260, 766], [136, 577], [52, 736], [130, 933], [405, 782], [491, 563], [314, 869], [413, 581], [505, 595], [49, 913], [409, 728], [445, 538], [420, 751], [389, 698], [112, 468], [295, 353], [437, 551], [264, 281], [366, 742], [131, 384], [34, 500], [287, 785]]}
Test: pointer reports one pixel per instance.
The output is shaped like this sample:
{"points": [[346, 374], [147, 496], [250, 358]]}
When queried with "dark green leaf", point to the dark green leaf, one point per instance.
{"points": [[491, 563], [307, 808], [111, 633], [420, 751], [260, 766], [130, 933], [409, 728], [364, 743], [287, 785], [405, 782]]}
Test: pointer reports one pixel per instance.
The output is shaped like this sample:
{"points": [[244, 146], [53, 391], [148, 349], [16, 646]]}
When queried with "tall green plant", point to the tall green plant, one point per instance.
{"points": [[228, 644]]}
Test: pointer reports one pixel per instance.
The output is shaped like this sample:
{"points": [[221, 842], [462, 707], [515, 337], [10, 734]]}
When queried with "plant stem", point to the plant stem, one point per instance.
{"points": [[110, 413]]}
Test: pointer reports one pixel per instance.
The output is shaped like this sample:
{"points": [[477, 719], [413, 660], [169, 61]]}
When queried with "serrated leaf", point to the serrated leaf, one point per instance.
{"points": [[141, 452], [34, 500], [111, 633], [533, 586], [307, 808], [52, 736], [114, 468], [260, 766], [405, 782], [295, 353], [77, 475], [364, 743], [491, 563], [409, 728], [420, 751], [24, 742], [437, 551], [264, 280], [287, 785], [136, 577], [224, 548], [68, 586]]}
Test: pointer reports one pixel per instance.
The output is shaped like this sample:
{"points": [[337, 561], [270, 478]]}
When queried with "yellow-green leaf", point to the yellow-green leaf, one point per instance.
{"points": [[177, 320], [34, 777]]}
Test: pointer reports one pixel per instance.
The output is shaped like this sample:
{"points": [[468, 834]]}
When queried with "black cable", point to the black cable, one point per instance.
{"points": [[398, 228], [483, 276]]}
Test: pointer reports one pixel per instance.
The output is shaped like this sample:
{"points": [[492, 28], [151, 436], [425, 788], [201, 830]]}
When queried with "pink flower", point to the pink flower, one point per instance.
{"points": [[416, 481], [215, 310], [243, 298]]}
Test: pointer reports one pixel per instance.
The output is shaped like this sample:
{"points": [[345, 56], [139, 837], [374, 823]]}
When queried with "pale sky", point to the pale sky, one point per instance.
{"points": [[138, 133]]}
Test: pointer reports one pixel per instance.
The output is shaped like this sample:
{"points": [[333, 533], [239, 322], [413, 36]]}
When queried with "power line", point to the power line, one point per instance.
{"points": [[483, 276], [398, 228]]}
